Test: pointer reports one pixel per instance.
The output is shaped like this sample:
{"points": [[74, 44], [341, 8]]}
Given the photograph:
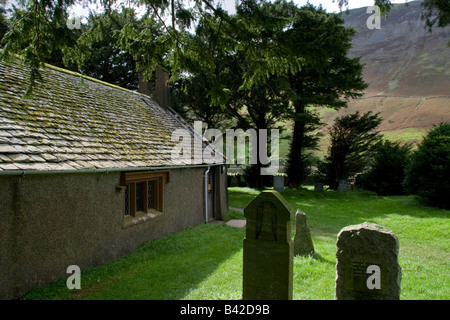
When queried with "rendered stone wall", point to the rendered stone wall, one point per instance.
{"points": [[49, 222]]}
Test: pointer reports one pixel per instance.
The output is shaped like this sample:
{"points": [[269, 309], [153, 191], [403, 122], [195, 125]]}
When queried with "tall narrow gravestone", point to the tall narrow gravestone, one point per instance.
{"points": [[318, 187], [303, 244], [367, 263], [278, 183], [343, 186], [268, 248]]}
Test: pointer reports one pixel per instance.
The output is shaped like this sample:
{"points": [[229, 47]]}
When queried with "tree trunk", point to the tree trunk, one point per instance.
{"points": [[295, 171], [254, 177]]}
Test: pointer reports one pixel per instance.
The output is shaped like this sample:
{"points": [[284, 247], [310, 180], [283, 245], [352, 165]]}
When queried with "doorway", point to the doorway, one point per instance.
{"points": [[211, 193]]}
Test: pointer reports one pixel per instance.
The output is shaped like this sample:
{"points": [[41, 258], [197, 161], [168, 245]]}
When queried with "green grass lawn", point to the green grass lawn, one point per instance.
{"points": [[205, 262]]}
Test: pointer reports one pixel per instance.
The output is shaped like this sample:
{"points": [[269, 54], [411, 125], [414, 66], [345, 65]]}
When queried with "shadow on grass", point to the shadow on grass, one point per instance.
{"points": [[162, 269], [319, 257]]}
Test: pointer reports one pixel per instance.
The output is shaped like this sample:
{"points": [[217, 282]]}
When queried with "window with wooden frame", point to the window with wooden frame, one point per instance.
{"points": [[144, 195]]}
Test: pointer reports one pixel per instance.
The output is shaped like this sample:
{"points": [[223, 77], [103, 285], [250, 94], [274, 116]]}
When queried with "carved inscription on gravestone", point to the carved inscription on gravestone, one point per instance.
{"points": [[367, 275], [367, 263], [268, 248], [266, 222]]}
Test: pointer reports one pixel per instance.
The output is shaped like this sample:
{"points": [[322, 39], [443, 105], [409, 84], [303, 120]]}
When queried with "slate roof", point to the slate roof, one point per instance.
{"points": [[75, 123]]}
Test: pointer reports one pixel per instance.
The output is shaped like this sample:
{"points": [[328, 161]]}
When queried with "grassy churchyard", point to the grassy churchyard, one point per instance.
{"points": [[205, 262]]}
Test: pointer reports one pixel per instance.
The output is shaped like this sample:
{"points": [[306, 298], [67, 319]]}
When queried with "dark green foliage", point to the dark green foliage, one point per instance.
{"points": [[327, 76], [287, 61], [99, 53], [35, 31], [253, 178], [104, 58], [387, 171], [217, 99], [218, 96], [93, 50], [300, 169], [353, 138], [428, 173], [189, 97], [3, 21], [39, 27], [437, 11], [271, 61]]}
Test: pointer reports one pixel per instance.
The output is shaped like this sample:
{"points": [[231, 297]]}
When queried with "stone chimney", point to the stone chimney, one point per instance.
{"points": [[157, 87]]}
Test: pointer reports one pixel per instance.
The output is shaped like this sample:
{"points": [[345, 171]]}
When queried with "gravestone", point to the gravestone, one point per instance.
{"points": [[268, 248], [303, 244], [318, 187], [367, 263], [342, 186], [278, 183]]}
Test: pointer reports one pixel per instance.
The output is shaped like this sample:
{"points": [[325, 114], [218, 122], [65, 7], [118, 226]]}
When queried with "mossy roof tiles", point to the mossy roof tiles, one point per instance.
{"points": [[74, 123]]}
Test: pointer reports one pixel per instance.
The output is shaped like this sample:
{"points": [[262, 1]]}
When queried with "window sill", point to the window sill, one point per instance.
{"points": [[141, 217]]}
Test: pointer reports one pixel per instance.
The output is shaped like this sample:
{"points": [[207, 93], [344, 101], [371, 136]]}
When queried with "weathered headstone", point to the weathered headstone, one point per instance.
{"points": [[303, 244], [342, 186], [367, 263], [318, 187], [268, 248], [278, 183]]}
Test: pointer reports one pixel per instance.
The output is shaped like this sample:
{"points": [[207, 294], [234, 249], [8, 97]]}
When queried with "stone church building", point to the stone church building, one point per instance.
{"points": [[86, 175]]}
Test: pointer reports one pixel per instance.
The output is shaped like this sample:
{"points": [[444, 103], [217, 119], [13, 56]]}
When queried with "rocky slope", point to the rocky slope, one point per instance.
{"points": [[407, 68]]}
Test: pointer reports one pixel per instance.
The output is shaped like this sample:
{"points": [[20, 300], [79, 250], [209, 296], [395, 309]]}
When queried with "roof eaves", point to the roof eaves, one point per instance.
{"points": [[104, 170]]}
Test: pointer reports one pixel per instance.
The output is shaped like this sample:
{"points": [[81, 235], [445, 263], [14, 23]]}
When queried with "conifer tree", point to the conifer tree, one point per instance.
{"points": [[328, 79], [353, 137]]}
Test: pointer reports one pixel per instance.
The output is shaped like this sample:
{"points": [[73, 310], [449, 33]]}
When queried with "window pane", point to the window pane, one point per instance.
{"points": [[139, 196], [127, 200], [151, 188]]}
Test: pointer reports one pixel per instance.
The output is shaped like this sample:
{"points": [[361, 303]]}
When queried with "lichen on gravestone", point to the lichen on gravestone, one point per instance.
{"points": [[367, 265], [268, 248], [303, 244]]}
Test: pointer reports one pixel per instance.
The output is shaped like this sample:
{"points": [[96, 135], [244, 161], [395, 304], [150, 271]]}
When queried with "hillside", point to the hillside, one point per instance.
{"points": [[407, 68]]}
